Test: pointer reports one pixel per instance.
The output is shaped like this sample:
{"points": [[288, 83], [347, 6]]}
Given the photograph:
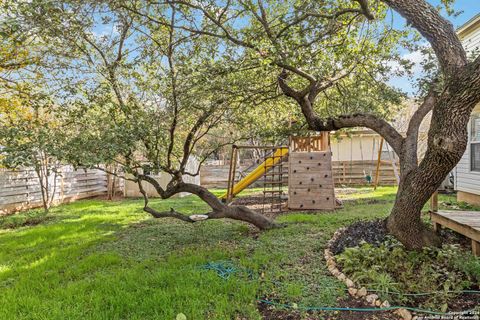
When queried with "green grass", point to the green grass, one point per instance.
{"points": [[95, 259]]}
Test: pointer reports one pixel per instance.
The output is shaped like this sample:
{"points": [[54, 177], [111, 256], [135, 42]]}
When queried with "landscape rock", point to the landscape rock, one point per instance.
{"points": [[385, 304], [371, 298], [362, 292], [349, 283], [328, 254], [352, 291], [404, 313]]}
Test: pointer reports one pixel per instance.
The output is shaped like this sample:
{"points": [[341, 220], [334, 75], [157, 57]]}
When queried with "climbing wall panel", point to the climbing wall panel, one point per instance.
{"points": [[310, 181]]}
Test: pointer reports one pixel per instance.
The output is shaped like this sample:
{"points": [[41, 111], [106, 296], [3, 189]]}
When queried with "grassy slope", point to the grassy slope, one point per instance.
{"points": [[108, 260]]}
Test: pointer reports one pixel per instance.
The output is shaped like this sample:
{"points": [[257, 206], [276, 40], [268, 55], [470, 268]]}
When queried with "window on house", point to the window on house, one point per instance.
{"points": [[475, 143]]}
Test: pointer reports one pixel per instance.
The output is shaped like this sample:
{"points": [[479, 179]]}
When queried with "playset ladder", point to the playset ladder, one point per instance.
{"points": [[275, 179]]}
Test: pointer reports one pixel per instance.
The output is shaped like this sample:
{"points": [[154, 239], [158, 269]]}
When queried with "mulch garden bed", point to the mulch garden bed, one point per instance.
{"points": [[375, 233], [255, 202]]}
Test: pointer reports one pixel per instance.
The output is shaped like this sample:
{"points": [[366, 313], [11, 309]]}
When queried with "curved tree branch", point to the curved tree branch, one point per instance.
{"points": [[409, 155], [305, 99], [370, 121], [421, 112]]}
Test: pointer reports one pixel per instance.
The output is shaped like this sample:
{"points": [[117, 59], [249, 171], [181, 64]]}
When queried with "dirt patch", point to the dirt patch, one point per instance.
{"points": [[365, 201], [451, 237], [28, 222], [465, 301], [347, 191], [257, 203], [375, 232], [254, 202], [270, 312]]}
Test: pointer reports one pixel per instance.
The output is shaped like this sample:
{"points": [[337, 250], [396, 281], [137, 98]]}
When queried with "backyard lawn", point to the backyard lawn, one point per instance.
{"points": [[96, 259]]}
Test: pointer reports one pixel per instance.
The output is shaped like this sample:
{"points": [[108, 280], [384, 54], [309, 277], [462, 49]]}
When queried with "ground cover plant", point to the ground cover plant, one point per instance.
{"points": [[97, 259], [406, 277], [434, 278]]}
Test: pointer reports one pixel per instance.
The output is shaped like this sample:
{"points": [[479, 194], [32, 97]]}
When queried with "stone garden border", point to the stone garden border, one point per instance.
{"points": [[362, 293]]}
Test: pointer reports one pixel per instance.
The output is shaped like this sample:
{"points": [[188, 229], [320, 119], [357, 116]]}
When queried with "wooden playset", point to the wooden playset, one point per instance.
{"points": [[305, 166]]}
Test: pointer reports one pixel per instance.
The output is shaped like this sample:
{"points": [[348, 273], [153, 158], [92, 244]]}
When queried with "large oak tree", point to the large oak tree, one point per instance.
{"points": [[451, 96]]}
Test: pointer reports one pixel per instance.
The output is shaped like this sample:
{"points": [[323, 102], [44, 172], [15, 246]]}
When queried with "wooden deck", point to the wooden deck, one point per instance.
{"points": [[463, 222]]}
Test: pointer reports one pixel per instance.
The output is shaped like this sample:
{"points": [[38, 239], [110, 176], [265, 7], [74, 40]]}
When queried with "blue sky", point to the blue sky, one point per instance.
{"points": [[468, 8]]}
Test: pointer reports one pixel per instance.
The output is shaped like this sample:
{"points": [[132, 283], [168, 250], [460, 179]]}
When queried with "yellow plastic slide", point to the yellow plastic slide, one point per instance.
{"points": [[258, 172]]}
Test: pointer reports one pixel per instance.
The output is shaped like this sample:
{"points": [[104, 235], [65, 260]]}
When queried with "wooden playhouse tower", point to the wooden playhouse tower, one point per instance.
{"points": [[310, 178]]}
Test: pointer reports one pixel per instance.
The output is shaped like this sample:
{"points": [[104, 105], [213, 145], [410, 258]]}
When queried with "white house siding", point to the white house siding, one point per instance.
{"points": [[468, 181], [471, 42], [465, 179], [356, 147]]}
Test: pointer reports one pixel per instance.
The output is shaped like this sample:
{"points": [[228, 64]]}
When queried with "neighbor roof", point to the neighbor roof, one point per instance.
{"points": [[469, 26]]}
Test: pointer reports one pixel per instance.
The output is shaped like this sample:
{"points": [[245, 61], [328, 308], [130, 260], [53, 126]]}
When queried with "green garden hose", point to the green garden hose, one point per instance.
{"points": [[224, 269], [286, 306]]}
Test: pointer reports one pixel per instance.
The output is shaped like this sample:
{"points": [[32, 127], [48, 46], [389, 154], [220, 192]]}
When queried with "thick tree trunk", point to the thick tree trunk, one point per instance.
{"points": [[447, 141], [405, 221], [415, 189]]}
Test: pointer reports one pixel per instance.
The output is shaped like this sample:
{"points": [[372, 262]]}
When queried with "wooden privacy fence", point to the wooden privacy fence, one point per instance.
{"points": [[344, 173], [21, 190], [355, 172], [216, 176]]}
